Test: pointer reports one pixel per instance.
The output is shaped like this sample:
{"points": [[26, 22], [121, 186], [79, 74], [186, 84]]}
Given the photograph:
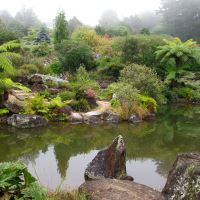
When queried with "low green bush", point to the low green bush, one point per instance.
{"points": [[81, 105], [28, 69], [109, 66], [42, 49], [145, 80], [67, 95]]}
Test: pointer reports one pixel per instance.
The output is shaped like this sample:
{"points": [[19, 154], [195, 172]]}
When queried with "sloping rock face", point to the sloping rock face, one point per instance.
{"points": [[13, 100], [183, 181], [26, 121], [112, 189], [109, 163]]}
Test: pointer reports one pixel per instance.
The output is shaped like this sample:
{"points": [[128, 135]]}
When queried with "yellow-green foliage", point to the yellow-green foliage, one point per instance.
{"points": [[21, 87], [57, 102], [148, 103], [127, 100], [36, 105], [87, 35], [4, 111]]}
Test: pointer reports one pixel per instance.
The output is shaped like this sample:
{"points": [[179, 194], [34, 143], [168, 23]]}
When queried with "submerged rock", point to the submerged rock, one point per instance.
{"points": [[109, 163], [134, 119], [183, 182], [112, 189], [26, 121], [111, 117]]}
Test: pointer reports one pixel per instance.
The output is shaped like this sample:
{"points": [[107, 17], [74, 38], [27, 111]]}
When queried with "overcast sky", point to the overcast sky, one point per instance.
{"points": [[88, 11]]}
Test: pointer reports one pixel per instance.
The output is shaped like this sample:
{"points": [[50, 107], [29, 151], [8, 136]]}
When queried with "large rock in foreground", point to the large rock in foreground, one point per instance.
{"points": [[183, 181], [112, 189], [109, 163], [26, 121]]}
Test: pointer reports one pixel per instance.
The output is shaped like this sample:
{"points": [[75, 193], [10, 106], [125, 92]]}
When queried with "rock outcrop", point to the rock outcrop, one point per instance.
{"points": [[26, 121], [112, 189], [14, 100], [109, 163], [183, 182]]}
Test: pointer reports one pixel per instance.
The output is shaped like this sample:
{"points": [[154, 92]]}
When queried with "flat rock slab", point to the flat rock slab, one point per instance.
{"points": [[112, 189]]}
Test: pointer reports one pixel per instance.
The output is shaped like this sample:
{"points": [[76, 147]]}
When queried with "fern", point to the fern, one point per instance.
{"points": [[6, 66], [178, 56]]}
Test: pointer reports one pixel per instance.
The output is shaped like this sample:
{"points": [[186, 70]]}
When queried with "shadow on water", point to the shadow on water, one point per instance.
{"points": [[60, 152]]}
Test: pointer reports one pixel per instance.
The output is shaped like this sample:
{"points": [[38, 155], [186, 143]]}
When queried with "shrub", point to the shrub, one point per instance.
{"points": [[42, 49], [72, 54], [82, 81], [28, 69], [87, 35], [6, 35], [145, 80], [141, 49], [125, 100], [109, 66], [67, 95], [81, 105]]}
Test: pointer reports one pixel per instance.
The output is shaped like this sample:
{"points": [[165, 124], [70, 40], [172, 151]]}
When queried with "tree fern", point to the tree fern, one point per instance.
{"points": [[6, 65], [178, 56]]}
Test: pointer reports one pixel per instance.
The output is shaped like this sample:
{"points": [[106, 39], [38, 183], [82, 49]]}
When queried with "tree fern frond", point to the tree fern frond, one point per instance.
{"points": [[9, 45]]}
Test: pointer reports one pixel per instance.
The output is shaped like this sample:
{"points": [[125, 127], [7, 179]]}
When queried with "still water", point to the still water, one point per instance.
{"points": [[59, 153]]}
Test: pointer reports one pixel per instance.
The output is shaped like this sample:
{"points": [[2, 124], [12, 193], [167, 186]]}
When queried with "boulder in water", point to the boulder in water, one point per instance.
{"points": [[109, 163]]}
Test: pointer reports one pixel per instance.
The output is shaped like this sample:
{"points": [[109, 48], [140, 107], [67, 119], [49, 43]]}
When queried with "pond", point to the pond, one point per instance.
{"points": [[59, 153]]}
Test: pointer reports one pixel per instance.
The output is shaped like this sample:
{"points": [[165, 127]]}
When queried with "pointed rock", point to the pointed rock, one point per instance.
{"points": [[109, 163]]}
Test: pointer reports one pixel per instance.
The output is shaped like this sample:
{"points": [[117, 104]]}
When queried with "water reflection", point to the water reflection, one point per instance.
{"points": [[58, 154]]}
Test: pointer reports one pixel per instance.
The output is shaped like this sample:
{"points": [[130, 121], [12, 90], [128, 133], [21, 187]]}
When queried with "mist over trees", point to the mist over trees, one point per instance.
{"points": [[181, 17], [22, 22]]}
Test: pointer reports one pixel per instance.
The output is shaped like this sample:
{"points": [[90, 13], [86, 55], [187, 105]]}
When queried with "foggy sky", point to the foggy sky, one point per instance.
{"points": [[88, 11]]}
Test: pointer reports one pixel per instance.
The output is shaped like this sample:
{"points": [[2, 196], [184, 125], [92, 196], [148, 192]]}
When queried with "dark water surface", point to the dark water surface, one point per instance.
{"points": [[58, 154]]}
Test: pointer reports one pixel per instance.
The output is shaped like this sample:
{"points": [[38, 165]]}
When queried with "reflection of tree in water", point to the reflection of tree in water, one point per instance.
{"points": [[175, 131], [62, 156]]}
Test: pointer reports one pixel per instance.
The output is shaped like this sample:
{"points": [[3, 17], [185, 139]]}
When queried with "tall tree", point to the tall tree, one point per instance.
{"points": [[73, 24], [182, 17], [27, 18], [61, 28], [109, 19]]}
